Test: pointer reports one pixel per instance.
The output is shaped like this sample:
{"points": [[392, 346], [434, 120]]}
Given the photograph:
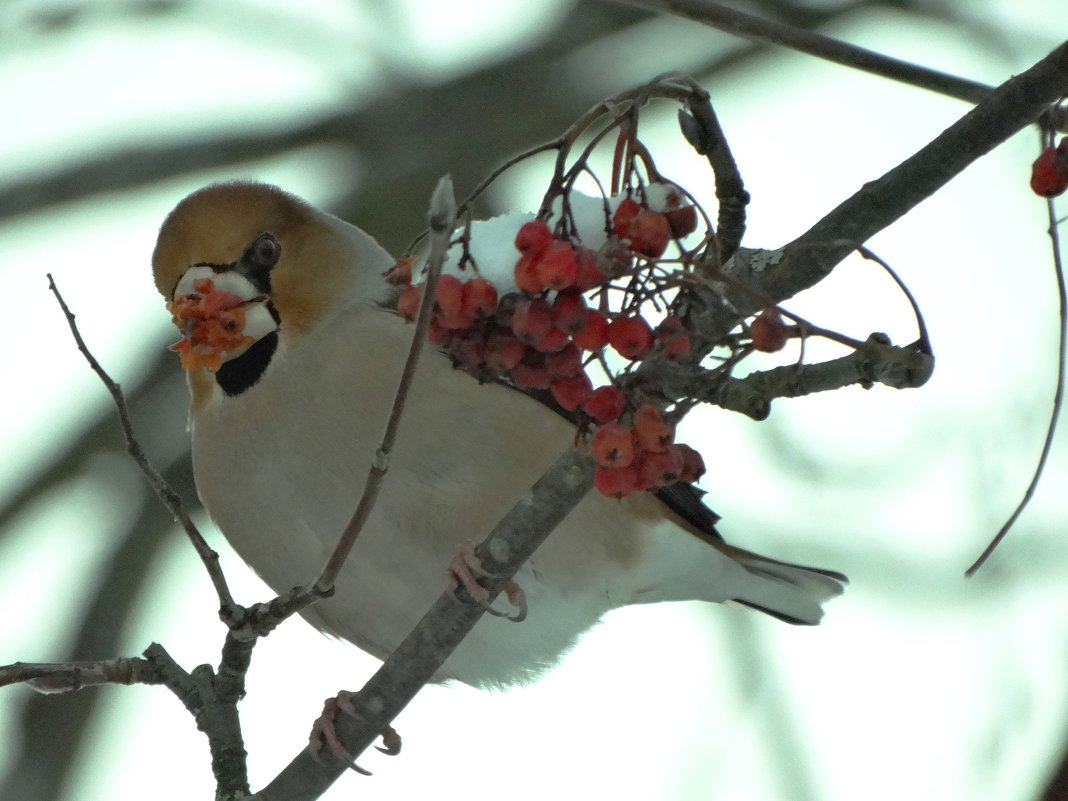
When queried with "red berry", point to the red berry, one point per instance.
{"points": [[626, 211], [526, 273], [533, 237], [569, 312], [693, 466], [594, 333], [649, 233], [503, 351], [479, 298], [437, 333], [409, 301], [448, 303], [558, 268], [552, 341], [606, 404], [566, 362], [613, 445], [526, 377], [673, 339], [616, 482], [768, 331], [658, 469], [652, 433], [682, 220], [572, 392], [631, 337], [531, 320], [468, 348], [1049, 173], [589, 272]]}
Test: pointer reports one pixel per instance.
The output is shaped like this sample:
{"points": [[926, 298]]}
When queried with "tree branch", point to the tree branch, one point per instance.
{"points": [[419, 657]]}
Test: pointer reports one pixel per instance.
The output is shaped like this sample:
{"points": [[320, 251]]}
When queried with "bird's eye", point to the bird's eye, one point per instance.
{"points": [[264, 252]]}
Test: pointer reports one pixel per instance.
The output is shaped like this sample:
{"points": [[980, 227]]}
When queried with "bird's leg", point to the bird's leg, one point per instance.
{"points": [[323, 733], [464, 568]]}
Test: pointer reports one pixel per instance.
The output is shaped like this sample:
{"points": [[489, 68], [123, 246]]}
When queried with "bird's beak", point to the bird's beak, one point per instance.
{"points": [[220, 315]]}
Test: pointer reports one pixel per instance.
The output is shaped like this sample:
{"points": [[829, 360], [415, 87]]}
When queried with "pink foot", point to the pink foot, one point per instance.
{"points": [[324, 733], [462, 571]]}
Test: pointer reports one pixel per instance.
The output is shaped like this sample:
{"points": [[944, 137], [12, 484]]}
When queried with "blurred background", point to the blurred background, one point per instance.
{"points": [[920, 684]]}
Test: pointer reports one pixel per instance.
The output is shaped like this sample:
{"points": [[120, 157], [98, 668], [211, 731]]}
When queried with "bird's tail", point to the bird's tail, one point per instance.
{"points": [[791, 593]]}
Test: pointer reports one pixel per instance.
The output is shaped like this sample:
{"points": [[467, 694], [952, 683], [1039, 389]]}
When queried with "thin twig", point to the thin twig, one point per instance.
{"points": [[814, 44], [442, 221], [171, 499], [1058, 394]]}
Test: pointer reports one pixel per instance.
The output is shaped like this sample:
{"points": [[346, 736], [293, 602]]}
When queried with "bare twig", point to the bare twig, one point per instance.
{"points": [[815, 44], [159, 485], [442, 221], [876, 361], [65, 677], [1058, 394]]}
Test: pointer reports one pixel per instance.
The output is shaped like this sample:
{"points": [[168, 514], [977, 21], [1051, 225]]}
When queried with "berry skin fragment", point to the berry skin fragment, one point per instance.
{"points": [[408, 302]]}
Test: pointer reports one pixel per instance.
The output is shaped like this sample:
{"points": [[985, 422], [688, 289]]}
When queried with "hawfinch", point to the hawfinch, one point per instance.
{"points": [[287, 412]]}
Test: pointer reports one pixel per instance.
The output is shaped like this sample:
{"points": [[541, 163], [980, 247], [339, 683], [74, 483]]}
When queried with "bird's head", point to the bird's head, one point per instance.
{"points": [[247, 267]]}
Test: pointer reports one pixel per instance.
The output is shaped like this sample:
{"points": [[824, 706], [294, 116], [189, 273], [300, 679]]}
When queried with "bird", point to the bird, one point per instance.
{"points": [[288, 407]]}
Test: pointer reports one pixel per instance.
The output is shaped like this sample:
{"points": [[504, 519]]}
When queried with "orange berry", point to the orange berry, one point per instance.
{"points": [[409, 301], [557, 267], [616, 482], [658, 469], [479, 298], [613, 445], [526, 273], [448, 303], [652, 433]]}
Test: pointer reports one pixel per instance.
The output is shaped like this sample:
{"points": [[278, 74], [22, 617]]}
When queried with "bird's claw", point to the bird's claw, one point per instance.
{"points": [[324, 733], [462, 571]]}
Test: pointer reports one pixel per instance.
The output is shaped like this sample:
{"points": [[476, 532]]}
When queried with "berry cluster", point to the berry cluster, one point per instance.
{"points": [[547, 335], [1049, 173]]}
